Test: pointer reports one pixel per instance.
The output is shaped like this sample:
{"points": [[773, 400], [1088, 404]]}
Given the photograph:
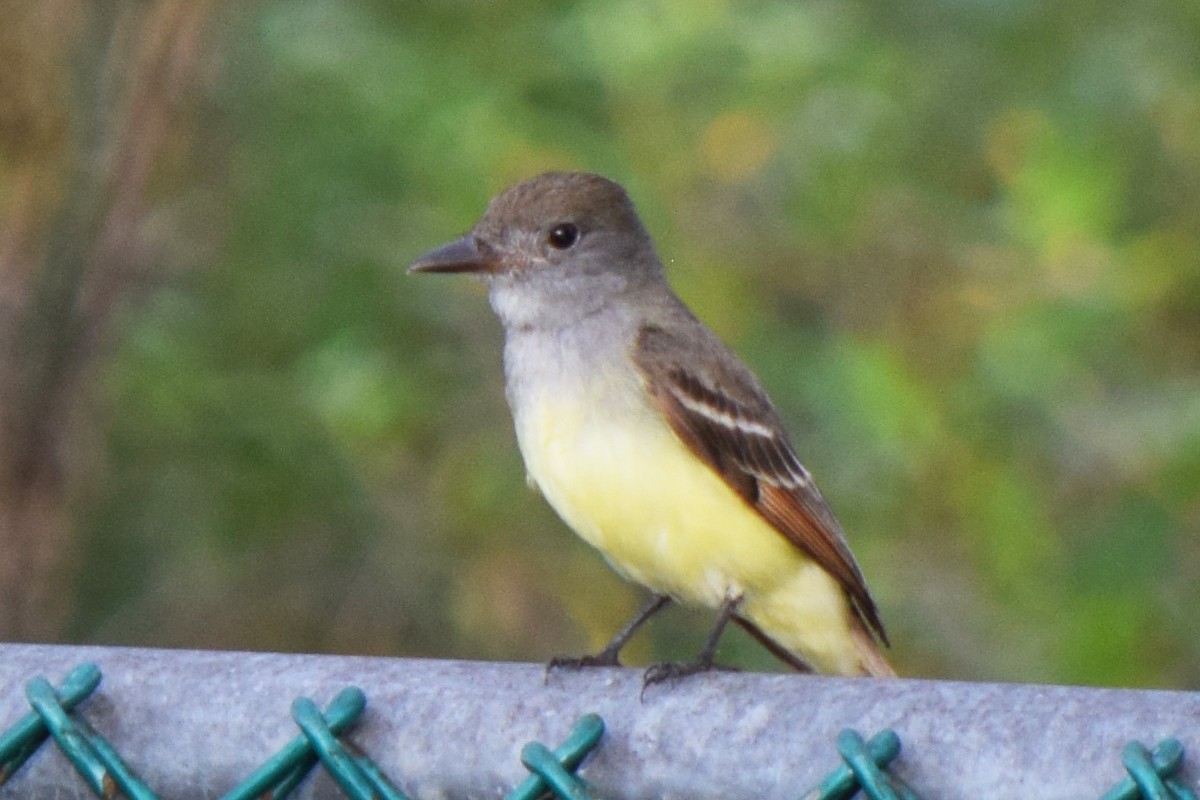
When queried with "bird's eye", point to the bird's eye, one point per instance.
{"points": [[563, 236]]}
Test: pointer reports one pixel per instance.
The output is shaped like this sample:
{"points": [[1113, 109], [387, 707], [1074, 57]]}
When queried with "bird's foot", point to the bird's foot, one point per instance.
{"points": [[610, 656], [674, 670], [605, 658]]}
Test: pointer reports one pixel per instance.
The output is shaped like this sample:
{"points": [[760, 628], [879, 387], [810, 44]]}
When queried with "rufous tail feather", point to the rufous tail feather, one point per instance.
{"points": [[873, 661]]}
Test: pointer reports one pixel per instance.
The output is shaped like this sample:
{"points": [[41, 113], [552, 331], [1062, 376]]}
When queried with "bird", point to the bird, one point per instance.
{"points": [[652, 440]]}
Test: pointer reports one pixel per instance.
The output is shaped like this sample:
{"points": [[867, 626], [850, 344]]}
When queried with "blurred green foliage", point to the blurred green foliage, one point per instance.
{"points": [[959, 241]]}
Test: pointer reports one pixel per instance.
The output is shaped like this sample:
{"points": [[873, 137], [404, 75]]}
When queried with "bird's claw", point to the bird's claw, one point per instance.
{"points": [[673, 670], [604, 658]]}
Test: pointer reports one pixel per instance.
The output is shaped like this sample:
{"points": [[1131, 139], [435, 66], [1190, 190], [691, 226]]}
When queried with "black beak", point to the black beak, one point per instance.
{"points": [[461, 255]]}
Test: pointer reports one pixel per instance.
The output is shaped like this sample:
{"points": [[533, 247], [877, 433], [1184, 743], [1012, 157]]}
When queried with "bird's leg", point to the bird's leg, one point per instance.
{"points": [[704, 661], [776, 649], [610, 656]]}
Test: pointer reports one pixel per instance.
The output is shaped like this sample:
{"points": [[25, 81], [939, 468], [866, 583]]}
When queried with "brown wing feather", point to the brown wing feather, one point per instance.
{"points": [[725, 418], [786, 511]]}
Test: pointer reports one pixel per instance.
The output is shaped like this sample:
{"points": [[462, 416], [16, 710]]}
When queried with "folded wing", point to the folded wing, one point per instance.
{"points": [[717, 407]]}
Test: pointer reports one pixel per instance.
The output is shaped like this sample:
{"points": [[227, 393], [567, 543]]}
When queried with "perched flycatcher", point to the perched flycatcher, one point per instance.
{"points": [[650, 437]]}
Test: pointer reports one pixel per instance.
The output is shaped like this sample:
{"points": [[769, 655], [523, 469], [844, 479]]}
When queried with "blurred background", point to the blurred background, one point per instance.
{"points": [[958, 240]]}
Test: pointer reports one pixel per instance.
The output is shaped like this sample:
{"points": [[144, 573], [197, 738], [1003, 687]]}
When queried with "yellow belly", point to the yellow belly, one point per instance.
{"points": [[663, 518]]}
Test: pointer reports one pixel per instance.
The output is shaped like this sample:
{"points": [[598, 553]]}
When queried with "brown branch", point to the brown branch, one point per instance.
{"points": [[61, 279]]}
